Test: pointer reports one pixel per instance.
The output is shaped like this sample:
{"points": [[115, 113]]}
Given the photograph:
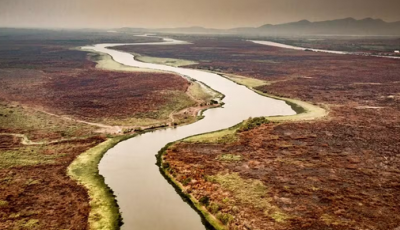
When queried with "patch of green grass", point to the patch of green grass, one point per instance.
{"points": [[106, 62], [31, 223], [3, 203], [252, 123], [177, 100], [227, 135], [213, 208], [222, 136], [29, 155], [38, 123], [14, 215], [304, 110], [104, 213], [25, 223], [134, 121], [229, 157], [279, 217], [32, 182], [164, 61], [329, 220], [225, 218], [247, 81], [335, 221], [186, 181], [200, 92], [250, 192]]}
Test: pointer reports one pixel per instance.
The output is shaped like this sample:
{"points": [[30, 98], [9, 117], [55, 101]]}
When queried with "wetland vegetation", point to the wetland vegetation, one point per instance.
{"points": [[56, 104], [61, 111]]}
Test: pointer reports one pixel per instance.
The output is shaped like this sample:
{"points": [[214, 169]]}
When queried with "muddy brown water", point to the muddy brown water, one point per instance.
{"points": [[147, 201]]}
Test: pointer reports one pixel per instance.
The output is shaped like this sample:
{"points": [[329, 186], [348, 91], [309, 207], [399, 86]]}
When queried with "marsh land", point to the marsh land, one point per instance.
{"points": [[337, 172], [55, 104], [335, 165]]}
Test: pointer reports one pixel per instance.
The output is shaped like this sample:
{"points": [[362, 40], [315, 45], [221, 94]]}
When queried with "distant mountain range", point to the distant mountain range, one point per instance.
{"points": [[346, 26]]}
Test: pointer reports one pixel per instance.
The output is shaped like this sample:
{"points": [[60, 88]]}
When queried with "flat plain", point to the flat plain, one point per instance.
{"points": [[55, 105], [338, 172]]}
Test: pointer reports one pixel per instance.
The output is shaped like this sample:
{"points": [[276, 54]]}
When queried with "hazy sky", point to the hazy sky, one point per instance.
{"points": [[177, 13]]}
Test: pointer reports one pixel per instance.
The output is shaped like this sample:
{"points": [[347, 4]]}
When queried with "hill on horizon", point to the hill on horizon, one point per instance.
{"points": [[345, 26]]}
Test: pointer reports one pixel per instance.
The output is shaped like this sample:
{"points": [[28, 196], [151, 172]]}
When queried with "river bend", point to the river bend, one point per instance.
{"points": [[147, 201]]}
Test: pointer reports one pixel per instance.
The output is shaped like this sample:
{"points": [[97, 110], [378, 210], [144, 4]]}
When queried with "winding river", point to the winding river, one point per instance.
{"points": [[147, 201]]}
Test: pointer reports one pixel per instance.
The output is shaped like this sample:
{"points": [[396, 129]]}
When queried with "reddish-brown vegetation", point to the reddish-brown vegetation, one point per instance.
{"points": [[42, 196], [9, 142], [90, 94], [64, 81], [39, 70], [348, 172], [374, 45], [337, 173]]}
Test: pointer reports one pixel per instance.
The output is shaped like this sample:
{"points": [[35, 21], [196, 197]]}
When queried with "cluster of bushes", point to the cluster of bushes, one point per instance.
{"points": [[252, 123], [214, 208], [186, 181]]}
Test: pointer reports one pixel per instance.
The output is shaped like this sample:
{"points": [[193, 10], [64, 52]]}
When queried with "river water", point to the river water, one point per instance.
{"points": [[280, 45], [146, 199]]}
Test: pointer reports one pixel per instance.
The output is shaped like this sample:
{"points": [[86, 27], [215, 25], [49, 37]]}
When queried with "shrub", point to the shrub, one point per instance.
{"points": [[235, 209], [3, 203], [279, 217], [213, 208], [252, 123], [31, 223], [229, 157], [165, 165], [225, 218], [186, 181], [205, 200], [213, 102]]}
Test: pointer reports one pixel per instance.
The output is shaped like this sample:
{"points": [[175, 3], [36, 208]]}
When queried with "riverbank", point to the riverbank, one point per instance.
{"points": [[214, 220], [219, 221], [296, 174], [120, 162], [210, 211], [104, 212], [55, 106], [178, 111], [305, 111], [32, 175], [367, 46], [210, 166]]}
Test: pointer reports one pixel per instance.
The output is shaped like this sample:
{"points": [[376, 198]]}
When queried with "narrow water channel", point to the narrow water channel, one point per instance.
{"points": [[146, 199], [280, 45]]}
